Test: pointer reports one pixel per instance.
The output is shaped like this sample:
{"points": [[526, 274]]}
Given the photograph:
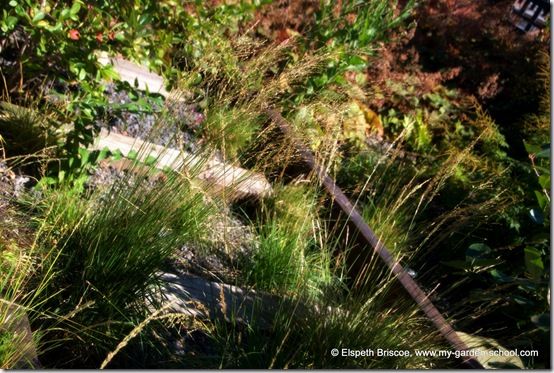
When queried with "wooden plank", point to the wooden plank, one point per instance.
{"points": [[411, 287], [235, 182], [132, 73]]}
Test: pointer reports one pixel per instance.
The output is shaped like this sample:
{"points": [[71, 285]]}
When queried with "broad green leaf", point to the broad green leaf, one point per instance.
{"points": [[533, 262], [477, 251], [536, 216], [133, 154], [117, 155], [500, 277], [38, 16], [150, 160], [43, 24], [544, 181], [11, 21], [542, 321], [75, 8], [541, 199], [545, 153], [103, 154], [109, 73], [64, 14], [84, 153], [356, 63], [532, 148]]}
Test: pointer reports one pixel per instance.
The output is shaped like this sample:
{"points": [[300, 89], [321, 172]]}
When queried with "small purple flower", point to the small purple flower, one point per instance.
{"points": [[198, 118]]}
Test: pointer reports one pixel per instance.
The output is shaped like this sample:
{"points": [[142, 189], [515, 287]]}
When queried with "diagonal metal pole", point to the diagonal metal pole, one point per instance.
{"points": [[379, 248]]}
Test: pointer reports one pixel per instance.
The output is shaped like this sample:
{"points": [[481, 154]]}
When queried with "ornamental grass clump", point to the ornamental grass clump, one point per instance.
{"points": [[290, 250], [307, 333], [110, 247]]}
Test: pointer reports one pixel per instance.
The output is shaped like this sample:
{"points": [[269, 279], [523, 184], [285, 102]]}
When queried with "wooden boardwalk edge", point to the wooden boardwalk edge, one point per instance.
{"points": [[235, 181]]}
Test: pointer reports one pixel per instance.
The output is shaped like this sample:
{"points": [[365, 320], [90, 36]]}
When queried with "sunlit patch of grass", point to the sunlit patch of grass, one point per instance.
{"points": [[289, 250], [230, 130], [26, 130], [236, 85]]}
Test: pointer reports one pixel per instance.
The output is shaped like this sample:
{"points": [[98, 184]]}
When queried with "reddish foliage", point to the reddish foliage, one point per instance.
{"points": [[277, 20], [74, 34], [467, 44], [478, 37], [497, 64]]}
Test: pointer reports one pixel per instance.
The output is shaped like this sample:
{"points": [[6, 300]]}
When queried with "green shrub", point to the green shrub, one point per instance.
{"points": [[349, 31]]}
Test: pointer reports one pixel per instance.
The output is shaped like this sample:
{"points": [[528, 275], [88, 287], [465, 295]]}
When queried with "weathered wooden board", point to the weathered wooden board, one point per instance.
{"points": [[135, 74], [234, 181]]}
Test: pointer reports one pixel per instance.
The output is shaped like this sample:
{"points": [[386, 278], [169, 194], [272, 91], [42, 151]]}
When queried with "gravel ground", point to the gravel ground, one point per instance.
{"points": [[108, 173], [174, 125], [12, 184], [230, 241]]}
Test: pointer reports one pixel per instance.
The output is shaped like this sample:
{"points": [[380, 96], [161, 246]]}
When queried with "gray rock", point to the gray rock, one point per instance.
{"points": [[197, 297], [21, 184], [17, 324]]}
